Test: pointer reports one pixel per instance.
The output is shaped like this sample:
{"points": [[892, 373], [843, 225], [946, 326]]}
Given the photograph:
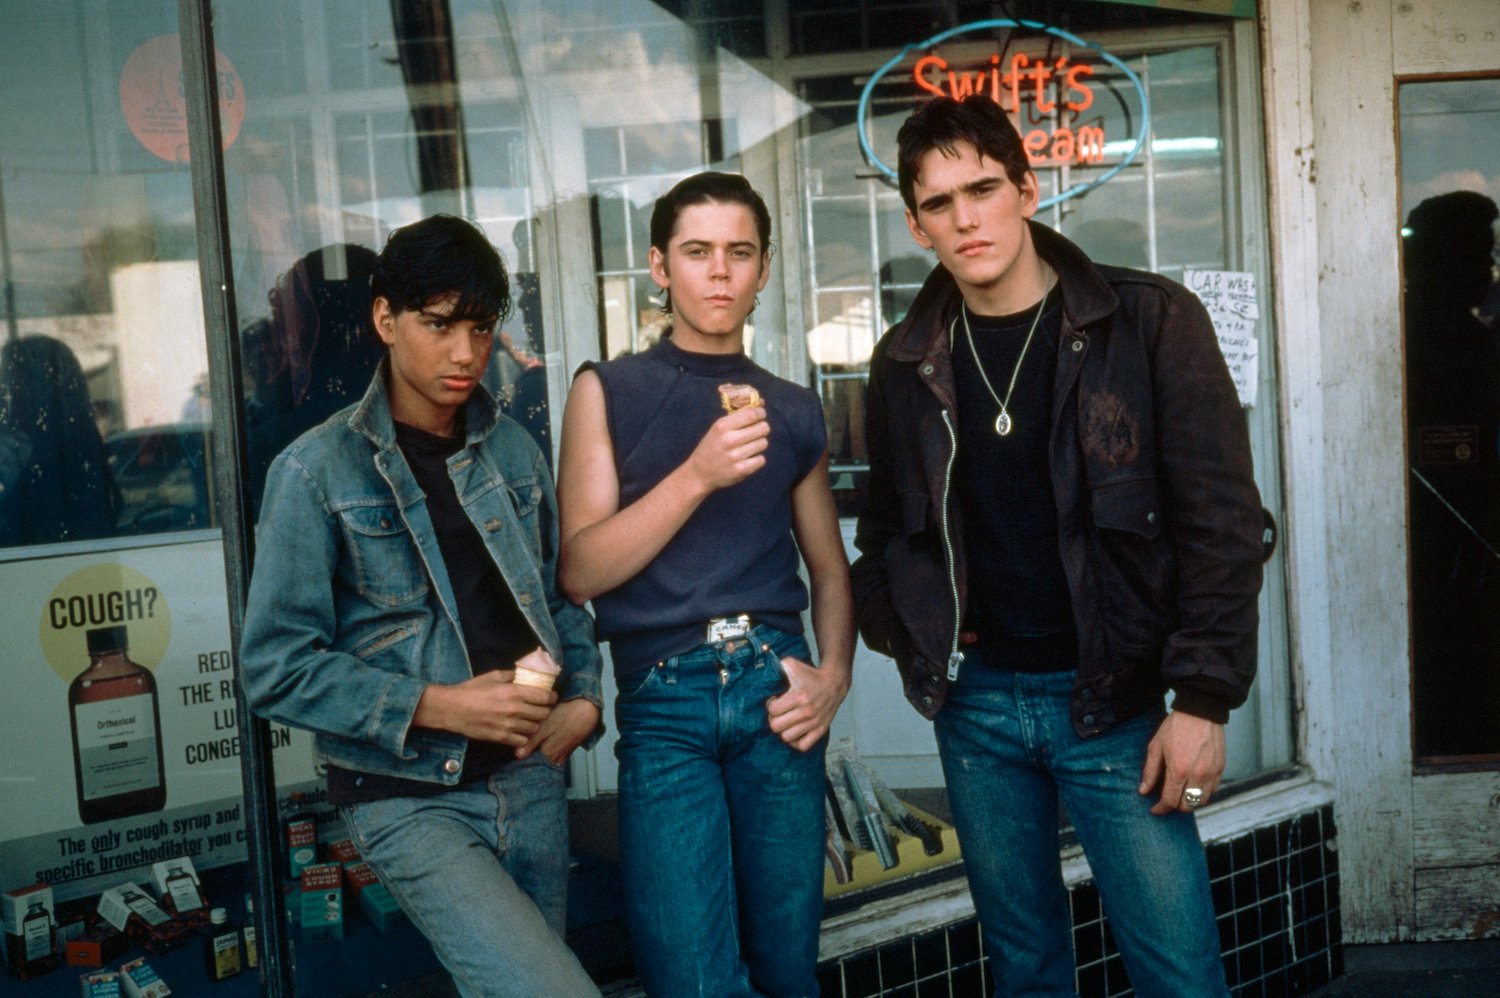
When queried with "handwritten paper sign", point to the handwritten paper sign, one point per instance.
{"points": [[1230, 298]]}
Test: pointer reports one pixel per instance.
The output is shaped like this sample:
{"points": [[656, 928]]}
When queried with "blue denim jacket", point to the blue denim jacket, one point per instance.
{"points": [[351, 614]]}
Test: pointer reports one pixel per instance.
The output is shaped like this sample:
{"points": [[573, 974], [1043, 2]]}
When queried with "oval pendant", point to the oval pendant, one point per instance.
{"points": [[1002, 423]]}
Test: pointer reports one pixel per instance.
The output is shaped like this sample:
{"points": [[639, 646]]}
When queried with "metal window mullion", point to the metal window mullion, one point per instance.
{"points": [[1148, 162], [231, 493]]}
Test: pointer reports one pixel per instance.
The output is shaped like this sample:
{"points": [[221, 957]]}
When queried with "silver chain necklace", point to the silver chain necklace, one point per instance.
{"points": [[1003, 423]]}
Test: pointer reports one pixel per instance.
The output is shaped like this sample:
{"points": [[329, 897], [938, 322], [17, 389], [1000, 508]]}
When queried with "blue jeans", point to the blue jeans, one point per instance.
{"points": [[1008, 752], [721, 825], [482, 871]]}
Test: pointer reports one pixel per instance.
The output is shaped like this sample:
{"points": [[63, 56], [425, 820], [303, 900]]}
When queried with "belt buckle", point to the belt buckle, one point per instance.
{"points": [[727, 628]]}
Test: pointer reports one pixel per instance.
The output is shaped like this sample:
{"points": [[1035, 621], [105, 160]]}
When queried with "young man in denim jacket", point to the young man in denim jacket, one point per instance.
{"points": [[1062, 524], [406, 554]]}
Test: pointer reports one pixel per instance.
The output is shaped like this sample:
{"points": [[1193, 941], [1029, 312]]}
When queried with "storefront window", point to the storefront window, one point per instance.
{"points": [[103, 407], [554, 129], [1449, 187], [119, 754]]}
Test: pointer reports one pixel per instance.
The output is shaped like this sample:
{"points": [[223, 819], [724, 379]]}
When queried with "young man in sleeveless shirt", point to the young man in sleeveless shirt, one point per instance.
{"points": [[683, 524]]}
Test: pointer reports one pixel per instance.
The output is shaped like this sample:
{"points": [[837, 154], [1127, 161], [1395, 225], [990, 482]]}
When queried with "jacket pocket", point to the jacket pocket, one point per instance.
{"points": [[1135, 566], [1132, 506], [386, 564], [389, 637], [525, 496]]}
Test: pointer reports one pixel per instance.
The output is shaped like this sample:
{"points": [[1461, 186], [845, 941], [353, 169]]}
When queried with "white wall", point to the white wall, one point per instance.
{"points": [[1330, 78]]}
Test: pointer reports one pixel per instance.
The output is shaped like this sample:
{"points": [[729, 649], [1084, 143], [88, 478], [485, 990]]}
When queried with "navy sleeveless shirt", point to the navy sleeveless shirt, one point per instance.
{"points": [[736, 553]]}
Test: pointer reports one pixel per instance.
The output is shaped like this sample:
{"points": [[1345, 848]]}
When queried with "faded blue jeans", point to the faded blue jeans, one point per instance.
{"points": [[482, 871], [1009, 751], [721, 825]]}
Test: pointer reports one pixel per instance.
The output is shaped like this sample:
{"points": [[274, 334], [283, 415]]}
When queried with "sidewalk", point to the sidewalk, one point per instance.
{"points": [[1469, 969]]}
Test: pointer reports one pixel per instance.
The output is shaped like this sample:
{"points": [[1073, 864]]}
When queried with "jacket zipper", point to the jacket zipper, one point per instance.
{"points": [[955, 657]]}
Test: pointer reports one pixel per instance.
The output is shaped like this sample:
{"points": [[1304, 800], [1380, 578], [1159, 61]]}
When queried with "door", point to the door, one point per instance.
{"points": [[1450, 148]]}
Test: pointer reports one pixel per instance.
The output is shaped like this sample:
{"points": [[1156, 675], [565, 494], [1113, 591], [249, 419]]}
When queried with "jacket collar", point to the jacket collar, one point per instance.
{"points": [[372, 417], [1087, 297]]}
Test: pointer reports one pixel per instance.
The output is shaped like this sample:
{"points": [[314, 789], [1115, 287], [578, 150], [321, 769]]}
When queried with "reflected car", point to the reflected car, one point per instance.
{"points": [[164, 474]]}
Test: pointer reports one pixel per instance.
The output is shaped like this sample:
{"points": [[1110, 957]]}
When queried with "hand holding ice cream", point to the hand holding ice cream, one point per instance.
{"points": [[537, 668]]}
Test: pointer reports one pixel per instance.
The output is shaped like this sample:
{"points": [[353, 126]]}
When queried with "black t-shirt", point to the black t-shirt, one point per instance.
{"points": [[1019, 603], [495, 630]]}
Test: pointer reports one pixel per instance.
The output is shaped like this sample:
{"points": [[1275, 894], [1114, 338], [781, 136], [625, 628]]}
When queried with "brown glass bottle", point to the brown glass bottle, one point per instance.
{"points": [[29, 951], [117, 757], [222, 955]]}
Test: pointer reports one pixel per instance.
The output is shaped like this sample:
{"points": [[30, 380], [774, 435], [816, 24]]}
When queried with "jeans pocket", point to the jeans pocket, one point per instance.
{"points": [[776, 645], [636, 683], [356, 823]]}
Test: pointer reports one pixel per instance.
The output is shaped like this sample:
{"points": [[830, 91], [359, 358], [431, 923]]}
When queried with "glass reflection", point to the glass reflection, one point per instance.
{"points": [[1450, 181], [55, 481]]}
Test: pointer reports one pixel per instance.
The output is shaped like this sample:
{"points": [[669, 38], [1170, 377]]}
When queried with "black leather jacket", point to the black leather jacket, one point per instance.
{"points": [[1159, 519]]}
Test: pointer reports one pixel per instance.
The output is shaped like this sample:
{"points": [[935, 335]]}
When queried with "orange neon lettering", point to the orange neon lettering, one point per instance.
{"points": [[1013, 79], [1040, 74], [919, 73], [1074, 72], [1068, 82], [1062, 145], [1090, 144], [961, 85]]}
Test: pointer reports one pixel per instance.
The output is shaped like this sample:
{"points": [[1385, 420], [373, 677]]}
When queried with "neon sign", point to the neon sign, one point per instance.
{"points": [[1059, 87]]}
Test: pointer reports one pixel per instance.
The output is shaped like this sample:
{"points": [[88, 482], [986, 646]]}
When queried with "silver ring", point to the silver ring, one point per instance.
{"points": [[1192, 796]]}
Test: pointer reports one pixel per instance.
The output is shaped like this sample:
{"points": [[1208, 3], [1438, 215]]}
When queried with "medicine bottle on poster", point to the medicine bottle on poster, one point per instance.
{"points": [[117, 755]]}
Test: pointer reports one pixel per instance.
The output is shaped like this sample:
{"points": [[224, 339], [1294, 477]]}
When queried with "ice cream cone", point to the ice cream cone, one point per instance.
{"points": [[537, 669]]}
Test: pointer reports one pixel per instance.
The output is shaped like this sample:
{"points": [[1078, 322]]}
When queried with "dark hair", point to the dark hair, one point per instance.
{"points": [[437, 257], [942, 123], [701, 188]]}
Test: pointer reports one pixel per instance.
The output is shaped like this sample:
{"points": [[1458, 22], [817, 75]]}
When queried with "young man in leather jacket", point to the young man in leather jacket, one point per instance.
{"points": [[406, 559], [1062, 525]]}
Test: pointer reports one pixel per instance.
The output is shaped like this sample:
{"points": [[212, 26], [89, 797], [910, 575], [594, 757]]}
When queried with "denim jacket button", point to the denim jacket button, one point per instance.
{"points": [[926, 368], [385, 523], [451, 766], [927, 701], [1088, 719], [1077, 345], [524, 599]]}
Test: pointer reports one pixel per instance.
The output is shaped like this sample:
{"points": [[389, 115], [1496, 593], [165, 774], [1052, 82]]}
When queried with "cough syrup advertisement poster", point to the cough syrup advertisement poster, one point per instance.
{"points": [[118, 738]]}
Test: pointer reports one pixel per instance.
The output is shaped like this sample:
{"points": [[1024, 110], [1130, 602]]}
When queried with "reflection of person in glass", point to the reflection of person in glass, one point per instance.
{"points": [[683, 525], [55, 483], [404, 564], [517, 375], [315, 354], [1062, 524], [1452, 409]]}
